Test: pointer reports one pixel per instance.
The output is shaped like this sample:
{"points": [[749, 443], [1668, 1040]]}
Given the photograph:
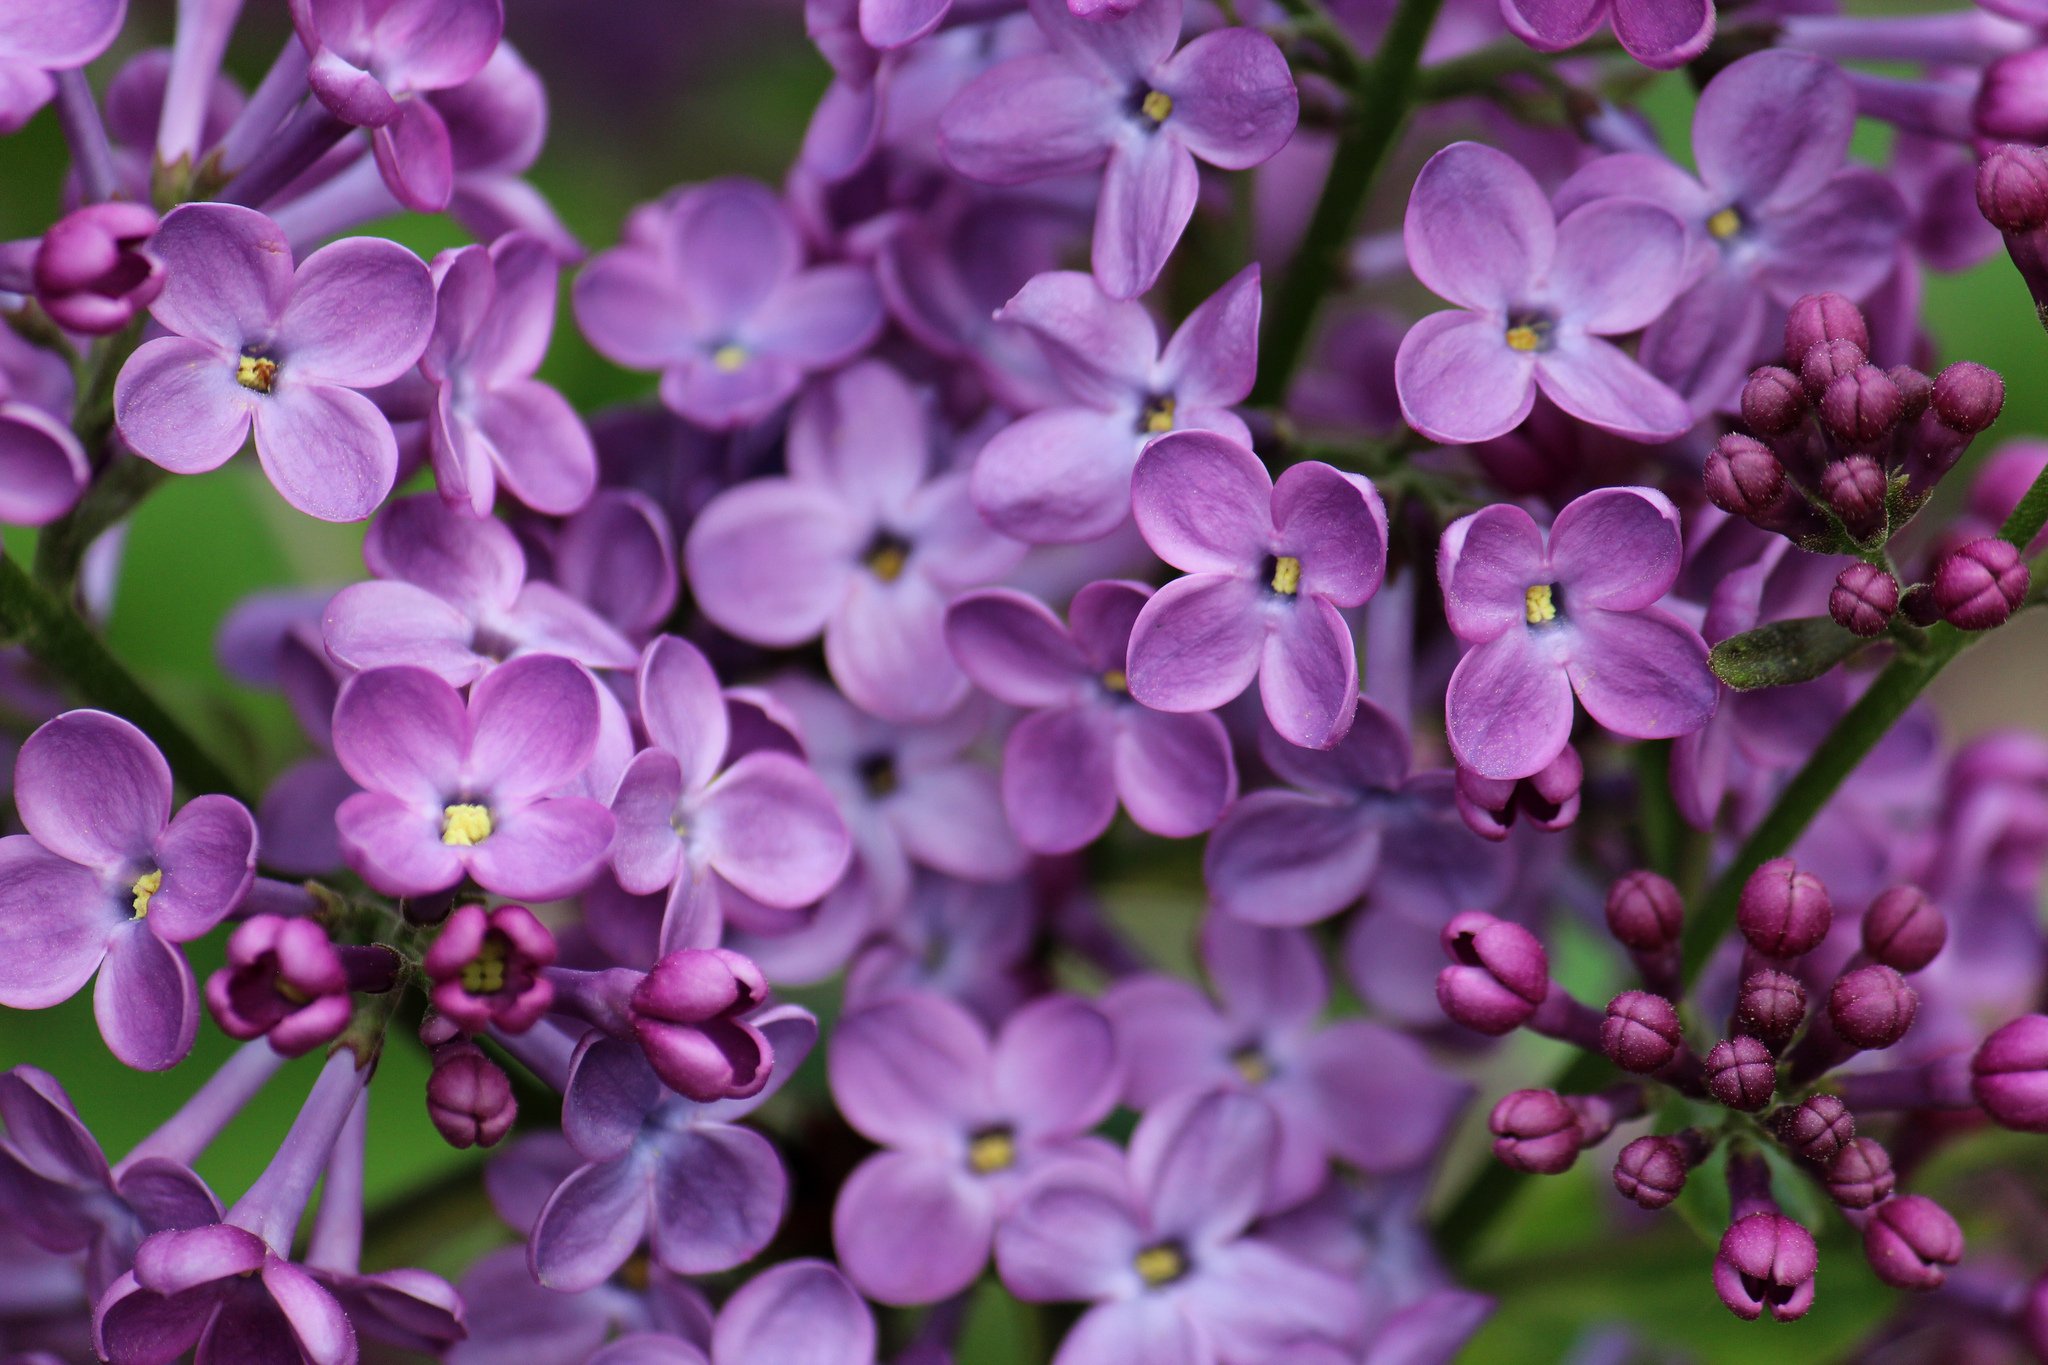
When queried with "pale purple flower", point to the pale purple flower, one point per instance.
{"points": [[1064, 473], [1114, 93], [969, 941], [965, 1120], [454, 790], [1536, 296], [106, 880], [797, 1312], [1572, 612], [58, 37], [714, 293], [43, 468], [861, 542], [1354, 1091], [618, 556], [255, 343], [514, 1321], [1665, 34], [1268, 566]]}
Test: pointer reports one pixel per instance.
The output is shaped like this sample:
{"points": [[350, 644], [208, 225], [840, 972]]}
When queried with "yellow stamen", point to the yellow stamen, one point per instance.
{"points": [[1252, 1065], [1725, 224], [1156, 105], [1287, 575], [1524, 338], [729, 357], [637, 1272], [147, 885], [1159, 1265], [1115, 681], [1159, 415], [465, 826], [291, 992], [1538, 605], [992, 1151], [256, 372], [484, 974], [887, 562]]}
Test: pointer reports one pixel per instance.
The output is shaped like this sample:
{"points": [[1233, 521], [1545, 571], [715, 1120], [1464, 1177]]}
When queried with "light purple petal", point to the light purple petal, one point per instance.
{"points": [[886, 648], [1509, 709], [208, 858], [698, 388], [472, 561], [771, 559], [1664, 34], [540, 447], [539, 852], [1059, 778], [547, 620], [771, 828], [1170, 1038], [1203, 1163], [1013, 647], [1553, 25], [1147, 1330], [898, 23], [1124, 47], [732, 242], [1336, 525], [1174, 774], [682, 708], [1642, 674], [1203, 502], [42, 466], [533, 725], [1198, 643], [1616, 548], [632, 309], [951, 819], [177, 403], [1027, 119], [912, 1072], [328, 451], [402, 730], [1102, 349], [1148, 196], [92, 788], [1620, 263], [1059, 476], [619, 555], [591, 1225], [1596, 382], [1308, 674], [819, 318], [146, 1002], [323, 1330], [361, 312], [1268, 978], [1844, 237], [1071, 1238], [396, 845], [60, 37], [1234, 103], [1055, 1067], [1212, 360], [719, 1193], [1486, 565], [383, 624], [912, 1228], [1279, 857], [646, 852], [1256, 1296], [1479, 230], [227, 274], [862, 434], [1384, 1105], [1772, 127], [1460, 382], [801, 1312]]}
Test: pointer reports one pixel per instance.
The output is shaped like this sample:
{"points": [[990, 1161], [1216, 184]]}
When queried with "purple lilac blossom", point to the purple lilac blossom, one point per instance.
{"points": [[798, 1311], [1664, 34]]}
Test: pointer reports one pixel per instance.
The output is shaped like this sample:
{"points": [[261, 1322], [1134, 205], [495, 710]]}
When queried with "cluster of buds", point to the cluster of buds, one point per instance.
{"points": [[1771, 1079], [1841, 454]]}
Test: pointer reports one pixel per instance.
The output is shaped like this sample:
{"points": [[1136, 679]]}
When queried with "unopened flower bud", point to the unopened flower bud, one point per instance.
{"points": [[1742, 1073], [1864, 599], [94, 271], [1501, 973], [1860, 1174], [1743, 477], [1826, 363], [1784, 912], [1860, 407], [686, 1015], [1915, 390], [1548, 799], [469, 1097], [2012, 99], [2009, 1075], [1968, 397], [1854, 488], [1651, 1171], [1903, 929], [486, 968], [1816, 1128], [1981, 585], [1645, 912], [1911, 1241], [1773, 402], [1535, 1131], [1872, 1007], [1917, 602], [1641, 1032], [1816, 319], [2012, 188], [1766, 1264], [1770, 1007], [283, 980]]}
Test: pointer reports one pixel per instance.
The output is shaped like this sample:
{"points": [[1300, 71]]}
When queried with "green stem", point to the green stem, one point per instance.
{"points": [[1381, 97], [51, 631]]}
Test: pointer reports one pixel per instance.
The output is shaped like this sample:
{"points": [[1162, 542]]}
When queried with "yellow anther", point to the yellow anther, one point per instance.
{"points": [[637, 1272], [886, 563], [1725, 224], [1156, 105], [1162, 1264], [992, 1151], [1524, 338], [291, 992], [1159, 415], [1287, 575], [484, 974], [256, 372], [1252, 1065], [1538, 605], [729, 357], [1115, 681], [147, 885], [465, 825]]}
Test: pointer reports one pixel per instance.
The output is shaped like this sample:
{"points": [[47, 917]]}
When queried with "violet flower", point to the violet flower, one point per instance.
{"points": [[107, 880], [58, 37], [1115, 93], [797, 1311], [43, 468], [454, 790], [1664, 34], [486, 968], [1268, 565], [1573, 612], [1536, 296], [94, 270], [286, 981], [255, 343]]}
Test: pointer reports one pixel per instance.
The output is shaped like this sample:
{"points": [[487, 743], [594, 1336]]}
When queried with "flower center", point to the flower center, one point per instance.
{"points": [[1286, 575], [991, 1151], [1252, 1064], [1539, 604], [1157, 417], [1156, 105], [146, 886], [887, 556], [464, 825], [878, 775], [729, 357], [484, 974], [258, 372], [1115, 681], [1160, 1265], [1725, 224]]}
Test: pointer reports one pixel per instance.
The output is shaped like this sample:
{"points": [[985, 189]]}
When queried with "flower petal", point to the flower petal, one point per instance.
{"points": [[395, 845], [1029, 118], [146, 1001], [1616, 548], [1308, 674], [1620, 263], [1279, 857], [886, 648], [1664, 34], [539, 852], [1553, 25], [1772, 127], [1596, 382], [540, 447], [1072, 1237], [1060, 476], [385, 624], [208, 858], [1203, 502], [361, 312], [1202, 1162], [404, 731], [1102, 349], [533, 724], [803, 1312], [1197, 643], [178, 405], [719, 1194], [1460, 382], [1479, 230], [1148, 196], [1336, 525], [771, 828], [912, 1072], [92, 788], [1059, 779], [1486, 564], [1642, 674], [1055, 1067], [1383, 1105], [328, 451], [227, 274], [771, 559], [1509, 709], [1174, 774], [1013, 647], [591, 1225], [911, 1228], [1234, 102]]}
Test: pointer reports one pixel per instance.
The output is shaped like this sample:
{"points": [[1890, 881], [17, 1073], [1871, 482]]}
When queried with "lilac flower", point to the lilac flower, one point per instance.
{"points": [[798, 1311], [94, 271], [700, 828], [493, 421], [1064, 473], [284, 981], [1665, 34], [514, 1321], [452, 597], [860, 543], [1535, 297], [43, 468], [107, 880], [965, 1121], [714, 294], [618, 557], [58, 37], [1268, 566], [1160, 1247], [705, 1193], [1574, 612], [486, 968], [453, 790], [1354, 1090], [967, 941], [1113, 92], [255, 343], [1085, 746]]}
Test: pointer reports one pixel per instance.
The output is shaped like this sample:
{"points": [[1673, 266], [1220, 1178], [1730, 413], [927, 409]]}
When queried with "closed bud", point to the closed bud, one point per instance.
{"points": [[1773, 402], [1968, 397], [1770, 1007], [94, 271], [1644, 912], [1981, 585], [2012, 188], [1766, 1264], [1917, 602], [1854, 488], [687, 1016], [1742, 1073], [1816, 1128], [1651, 1171], [2009, 1074], [1743, 477], [1911, 1242], [1903, 929], [1535, 1131], [1826, 363], [2012, 100], [1860, 1174], [1864, 599], [1784, 912], [1817, 319], [469, 1097], [1500, 973], [1915, 389], [1641, 1032], [1548, 799], [1862, 406], [1872, 1007]]}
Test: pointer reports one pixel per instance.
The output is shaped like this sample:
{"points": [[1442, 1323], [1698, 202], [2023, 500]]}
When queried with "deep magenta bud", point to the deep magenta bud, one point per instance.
{"points": [[1641, 1032], [1826, 363], [1817, 319], [1861, 406], [469, 1097], [2009, 1075], [283, 980], [1967, 396], [1773, 402], [94, 271], [1743, 477], [2012, 101], [1864, 599], [1766, 1264], [1854, 488], [1915, 390], [1645, 912], [1903, 929], [1872, 1007], [1651, 1171], [1981, 585], [1547, 799], [1500, 976], [1770, 1007], [1784, 912], [2012, 188], [1535, 1131], [486, 968], [1911, 1241], [1817, 1128], [686, 1015], [1860, 1174], [1742, 1073]]}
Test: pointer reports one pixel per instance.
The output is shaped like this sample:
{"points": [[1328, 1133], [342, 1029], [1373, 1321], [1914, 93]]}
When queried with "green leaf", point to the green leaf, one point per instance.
{"points": [[1783, 653]]}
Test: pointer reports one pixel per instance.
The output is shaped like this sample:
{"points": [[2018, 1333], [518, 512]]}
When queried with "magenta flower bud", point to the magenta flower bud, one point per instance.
{"points": [[1860, 1174], [1979, 586], [2009, 1075], [686, 1017], [1826, 363], [1861, 406], [1535, 1131], [1651, 1171], [1770, 1007], [1968, 397], [469, 1097], [93, 269], [1784, 912], [1903, 929], [1864, 599], [2012, 101], [2012, 188], [1501, 974], [1816, 1128], [486, 968], [1911, 1241], [1872, 1007], [284, 980], [1742, 1073], [1645, 912], [1817, 319], [1773, 402], [1854, 488], [1917, 602], [1766, 1264], [1641, 1032], [1548, 799], [1743, 477], [1916, 390]]}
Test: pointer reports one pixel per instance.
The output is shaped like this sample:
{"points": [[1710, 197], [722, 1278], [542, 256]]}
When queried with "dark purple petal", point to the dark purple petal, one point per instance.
{"points": [[719, 1194], [146, 1001], [1509, 709], [1197, 644], [591, 1225], [1642, 674], [208, 858]]}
